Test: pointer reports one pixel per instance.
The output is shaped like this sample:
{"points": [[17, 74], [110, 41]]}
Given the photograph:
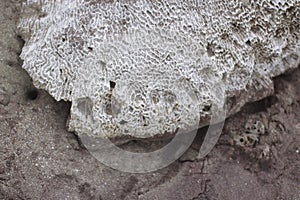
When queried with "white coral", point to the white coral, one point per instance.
{"points": [[142, 67]]}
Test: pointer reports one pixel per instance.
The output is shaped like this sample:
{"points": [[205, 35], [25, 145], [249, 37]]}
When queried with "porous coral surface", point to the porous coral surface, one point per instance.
{"points": [[144, 68]]}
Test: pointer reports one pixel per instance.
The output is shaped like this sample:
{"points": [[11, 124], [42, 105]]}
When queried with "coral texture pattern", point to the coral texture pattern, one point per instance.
{"points": [[144, 68]]}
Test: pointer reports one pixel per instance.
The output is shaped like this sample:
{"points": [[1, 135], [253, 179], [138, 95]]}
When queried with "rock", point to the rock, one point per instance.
{"points": [[4, 97], [146, 68]]}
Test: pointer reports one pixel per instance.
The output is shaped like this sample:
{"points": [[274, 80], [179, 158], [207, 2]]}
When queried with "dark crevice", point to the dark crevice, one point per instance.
{"points": [[32, 94], [20, 40], [79, 143], [248, 42], [259, 106], [63, 109], [112, 84]]}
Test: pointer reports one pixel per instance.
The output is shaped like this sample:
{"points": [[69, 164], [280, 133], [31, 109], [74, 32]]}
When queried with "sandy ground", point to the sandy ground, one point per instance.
{"points": [[39, 159]]}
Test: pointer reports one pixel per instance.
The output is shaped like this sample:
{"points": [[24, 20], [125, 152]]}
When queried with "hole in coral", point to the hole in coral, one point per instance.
{"points": [[251, 141], [32, 94], [248, 42], [123, 122], [90, 48], [130, 109], [206, 108], [112, 84], [42, 15], [144, 121]]}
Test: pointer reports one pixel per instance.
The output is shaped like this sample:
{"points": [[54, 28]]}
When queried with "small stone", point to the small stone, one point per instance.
{"points": [[289, 101], [4, 99]]}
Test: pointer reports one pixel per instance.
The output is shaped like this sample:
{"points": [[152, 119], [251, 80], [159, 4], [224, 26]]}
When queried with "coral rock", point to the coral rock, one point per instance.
{"points": [[145, 68]]}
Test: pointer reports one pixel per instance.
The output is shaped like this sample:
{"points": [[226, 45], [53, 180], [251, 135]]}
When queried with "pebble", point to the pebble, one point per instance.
{"points": [[289, 101], [4, 99], [4, 96]]}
